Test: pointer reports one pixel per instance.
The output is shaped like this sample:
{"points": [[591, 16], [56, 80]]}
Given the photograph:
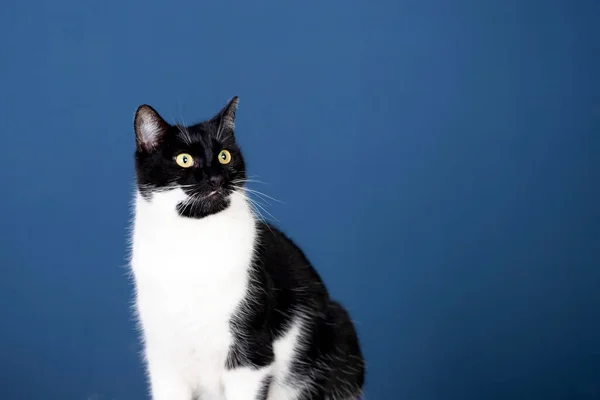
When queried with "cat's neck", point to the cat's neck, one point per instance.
{"points": [[206, 249], [161, 209]]}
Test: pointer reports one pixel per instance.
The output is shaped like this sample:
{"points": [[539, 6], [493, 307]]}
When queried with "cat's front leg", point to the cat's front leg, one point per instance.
{"points": [[166, 383], [247, 383]]}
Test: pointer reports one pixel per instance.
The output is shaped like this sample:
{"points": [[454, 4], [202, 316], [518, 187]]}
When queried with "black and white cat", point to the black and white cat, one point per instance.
{"points": [[229, 307]]}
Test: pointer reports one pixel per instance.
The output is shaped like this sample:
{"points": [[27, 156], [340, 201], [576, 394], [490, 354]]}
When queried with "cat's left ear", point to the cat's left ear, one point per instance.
{"points": [[225, 119]]}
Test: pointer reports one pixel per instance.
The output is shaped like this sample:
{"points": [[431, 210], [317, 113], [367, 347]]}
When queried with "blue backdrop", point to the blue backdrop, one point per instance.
{"points": [[457, 218]]}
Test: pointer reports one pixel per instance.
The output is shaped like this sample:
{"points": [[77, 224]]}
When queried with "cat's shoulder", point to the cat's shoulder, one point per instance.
{"points": [[270, 233]]}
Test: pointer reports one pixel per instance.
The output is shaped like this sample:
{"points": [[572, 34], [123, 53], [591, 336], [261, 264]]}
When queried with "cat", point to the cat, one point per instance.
{"points": [[229, 308]]}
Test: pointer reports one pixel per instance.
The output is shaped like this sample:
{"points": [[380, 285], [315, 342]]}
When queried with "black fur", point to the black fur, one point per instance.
{"points": [[263, 393], [284, 286]]}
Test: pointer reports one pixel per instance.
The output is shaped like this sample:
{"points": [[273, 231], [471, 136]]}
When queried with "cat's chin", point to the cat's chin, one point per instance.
{"points": [[204, 206]]}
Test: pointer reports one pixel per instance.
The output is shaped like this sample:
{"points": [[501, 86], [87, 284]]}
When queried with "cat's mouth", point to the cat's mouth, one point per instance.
{"points": [[202, 196], [200, 205], [212, 197]]}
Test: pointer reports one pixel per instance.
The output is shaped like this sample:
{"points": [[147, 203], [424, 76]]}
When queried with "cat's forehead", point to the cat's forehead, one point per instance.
{"points": [[201, 134]]}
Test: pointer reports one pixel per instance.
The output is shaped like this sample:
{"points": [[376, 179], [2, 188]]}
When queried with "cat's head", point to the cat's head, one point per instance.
{"points": [[202, 160]]}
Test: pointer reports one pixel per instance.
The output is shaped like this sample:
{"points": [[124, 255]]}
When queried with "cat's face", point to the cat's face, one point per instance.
{"points": [[203, 160]]}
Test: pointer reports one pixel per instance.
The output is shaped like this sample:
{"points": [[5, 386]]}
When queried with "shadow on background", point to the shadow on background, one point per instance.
{"points": [[437, 161]]}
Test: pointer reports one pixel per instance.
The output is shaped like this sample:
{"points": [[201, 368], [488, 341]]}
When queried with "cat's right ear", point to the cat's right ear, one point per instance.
{"points": [[150, 127]]}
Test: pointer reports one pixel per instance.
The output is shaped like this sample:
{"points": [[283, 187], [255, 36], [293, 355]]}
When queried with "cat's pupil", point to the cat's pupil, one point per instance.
{"points": [[223, 156], [185, 159]]}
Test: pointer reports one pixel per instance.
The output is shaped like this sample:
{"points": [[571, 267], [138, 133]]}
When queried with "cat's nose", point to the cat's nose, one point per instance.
{"points": [[215, 181]]}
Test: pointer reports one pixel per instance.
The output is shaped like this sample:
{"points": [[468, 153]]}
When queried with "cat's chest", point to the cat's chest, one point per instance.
{"points": [[170, 253], [186, 268]]}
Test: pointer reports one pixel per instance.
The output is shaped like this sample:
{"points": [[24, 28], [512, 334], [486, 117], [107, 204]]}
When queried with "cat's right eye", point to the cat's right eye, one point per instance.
{"points": [[184, 160]]}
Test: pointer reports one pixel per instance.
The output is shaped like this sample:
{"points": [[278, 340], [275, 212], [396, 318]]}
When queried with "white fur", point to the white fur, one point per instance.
{"points": [[285, 349], [190, 276], [244, 383]]}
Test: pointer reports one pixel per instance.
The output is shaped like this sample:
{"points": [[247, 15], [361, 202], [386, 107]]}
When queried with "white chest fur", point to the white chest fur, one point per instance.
{"points": [[190, 276]]}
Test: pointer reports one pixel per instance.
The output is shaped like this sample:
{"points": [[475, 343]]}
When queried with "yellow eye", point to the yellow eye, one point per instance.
{"points": [[184, 160], [224, 157]]}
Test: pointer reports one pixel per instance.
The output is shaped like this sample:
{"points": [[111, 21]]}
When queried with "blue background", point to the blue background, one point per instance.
{"points": [[437, 160]]}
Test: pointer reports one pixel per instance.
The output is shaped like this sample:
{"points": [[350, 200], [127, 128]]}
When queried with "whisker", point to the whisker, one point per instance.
{"points": [[248, 180], [185, 133], [262, 208], [254, 210], [264, 195]]}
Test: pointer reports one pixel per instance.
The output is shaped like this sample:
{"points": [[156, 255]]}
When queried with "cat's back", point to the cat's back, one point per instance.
{"points": [[325, 357], [289, 269]]}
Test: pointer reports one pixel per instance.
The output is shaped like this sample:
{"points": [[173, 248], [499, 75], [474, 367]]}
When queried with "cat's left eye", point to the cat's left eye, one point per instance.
{"points": [[224, 157], [184, 160]]}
